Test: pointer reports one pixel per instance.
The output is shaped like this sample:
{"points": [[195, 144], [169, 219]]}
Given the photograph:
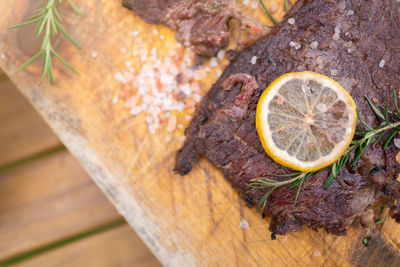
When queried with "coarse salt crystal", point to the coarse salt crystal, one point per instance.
{"points": [[321, 107], [254, 5], [221, 54], [382, 63], [171, 125], [166, 79], [123, 50], [317, 253], [3, 56], [246, 2], [291, 44], [128, 63], [182, 138], [244, 224], [115, 99], [291, 21], [187, 117], [152, 128], [162, 37], [396, 142], [253, 60], [155, 31], [94, 54], [350, 12], [135, 33], [336, 36], [213, 62], [180, 126], [274, 8], [334, 72], [119, 77], [197, 98], [314, 45], [337, 29], [297, 46]]}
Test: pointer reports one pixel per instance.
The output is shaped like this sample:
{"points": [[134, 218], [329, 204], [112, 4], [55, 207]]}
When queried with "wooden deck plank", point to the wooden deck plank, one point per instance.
{"points": [[48, 200], [114, 247], [23, 132]]}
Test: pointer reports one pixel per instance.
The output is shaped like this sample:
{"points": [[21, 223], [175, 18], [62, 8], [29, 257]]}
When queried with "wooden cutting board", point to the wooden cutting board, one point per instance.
{"points": [[186, 221]]}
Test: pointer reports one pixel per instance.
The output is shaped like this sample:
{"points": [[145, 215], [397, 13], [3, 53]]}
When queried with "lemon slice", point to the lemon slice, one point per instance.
{"points": [[305, 120]]}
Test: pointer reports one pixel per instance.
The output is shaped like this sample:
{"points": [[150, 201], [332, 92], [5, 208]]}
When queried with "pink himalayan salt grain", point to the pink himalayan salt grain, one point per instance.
{"points": [[171, 125], [274, 8]]}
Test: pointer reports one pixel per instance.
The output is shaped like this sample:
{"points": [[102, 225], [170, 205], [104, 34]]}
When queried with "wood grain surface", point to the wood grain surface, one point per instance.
{"points": [[186, 221], [48, 200], [18, 118], [114, 247]]}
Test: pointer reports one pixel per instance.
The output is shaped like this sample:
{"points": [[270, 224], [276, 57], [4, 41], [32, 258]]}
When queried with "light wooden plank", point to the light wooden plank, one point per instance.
{"points": [[115, 247], [23, 132], [186, 221], [48, 200]]}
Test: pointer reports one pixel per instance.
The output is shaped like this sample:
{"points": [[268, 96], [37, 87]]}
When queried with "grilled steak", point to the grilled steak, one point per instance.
{"points": [[202, 24], [355, 42]]}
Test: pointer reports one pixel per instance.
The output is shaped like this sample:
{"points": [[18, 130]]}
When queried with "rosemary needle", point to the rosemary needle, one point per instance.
{"points": [[268, 12], [48, 20]]}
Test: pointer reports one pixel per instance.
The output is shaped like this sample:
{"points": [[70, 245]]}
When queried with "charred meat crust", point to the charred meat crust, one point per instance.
{"points": [[346, 40], [201, 24]]}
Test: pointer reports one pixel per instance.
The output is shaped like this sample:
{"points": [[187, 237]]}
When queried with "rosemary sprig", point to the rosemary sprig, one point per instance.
{"points": [[363, 138], [268, 12], [48, 19]]}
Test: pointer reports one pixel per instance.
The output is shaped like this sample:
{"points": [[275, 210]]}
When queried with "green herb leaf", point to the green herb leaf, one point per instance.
{"points": [[268, 12]]}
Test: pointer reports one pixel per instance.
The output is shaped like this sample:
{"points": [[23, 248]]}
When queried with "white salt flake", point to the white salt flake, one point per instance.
{"points": [[155, 31], [119, 77], [314, 45], [135, 33], [180, 126], [253, 60], [182, 138], [291, 21], [128, 63], [291, 44], [336, 36], [187, 117], [221, 54], [246, 2], [166, 79], [94, 54], [244, 224], [213, 62], [297, 46], [382, 63], [350, 12], [334, 72], [123, 50], [115, 99], [321, 107], [3, 56], [162, 37], [396, 142], [254, 4], [337, 29]]}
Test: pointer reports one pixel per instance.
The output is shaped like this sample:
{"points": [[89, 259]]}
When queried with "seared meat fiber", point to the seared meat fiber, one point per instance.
{"points": [[202, 24], [356, 43]]}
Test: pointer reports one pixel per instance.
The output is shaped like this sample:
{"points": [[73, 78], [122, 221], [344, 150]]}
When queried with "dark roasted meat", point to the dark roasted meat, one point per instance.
{"points": [[355, 42], [201, 24]]}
